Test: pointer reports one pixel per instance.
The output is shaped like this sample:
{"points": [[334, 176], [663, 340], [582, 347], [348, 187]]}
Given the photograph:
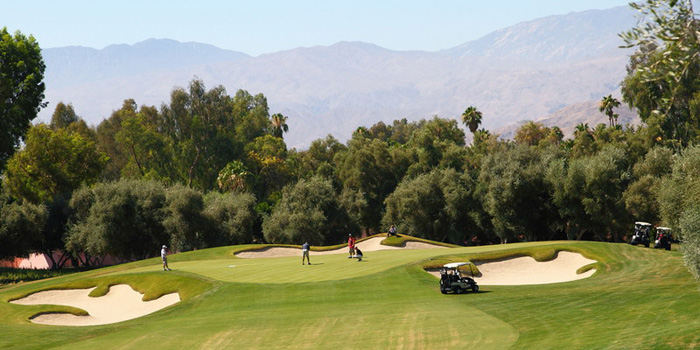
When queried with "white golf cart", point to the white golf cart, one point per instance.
{"points": [[642, 234], [451, 280]]}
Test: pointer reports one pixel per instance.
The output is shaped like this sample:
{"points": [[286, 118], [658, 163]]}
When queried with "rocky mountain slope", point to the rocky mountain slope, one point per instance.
{"points": [[523, 72]]}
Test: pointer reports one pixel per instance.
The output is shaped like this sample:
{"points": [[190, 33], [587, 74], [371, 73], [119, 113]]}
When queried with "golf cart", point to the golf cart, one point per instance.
{"points": [[452, 281], [663, 238], [642, 234]]}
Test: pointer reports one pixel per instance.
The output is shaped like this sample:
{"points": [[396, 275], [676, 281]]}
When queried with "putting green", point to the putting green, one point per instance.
{"points": [[290, 270]]}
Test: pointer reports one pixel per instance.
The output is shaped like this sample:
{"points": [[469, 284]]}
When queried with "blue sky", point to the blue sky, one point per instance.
{"points": [[264, 26]]}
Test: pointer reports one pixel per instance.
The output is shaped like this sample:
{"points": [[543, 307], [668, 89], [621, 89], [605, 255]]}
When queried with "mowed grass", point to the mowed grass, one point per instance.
{"points": [[639, 299]]}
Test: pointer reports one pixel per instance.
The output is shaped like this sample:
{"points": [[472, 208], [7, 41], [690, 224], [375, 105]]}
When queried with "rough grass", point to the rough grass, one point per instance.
{"points": [[638, 299]]}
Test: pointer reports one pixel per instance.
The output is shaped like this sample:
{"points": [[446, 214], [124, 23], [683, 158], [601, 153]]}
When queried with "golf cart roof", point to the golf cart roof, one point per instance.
{"points": [[455, 265], [642, 223], [664, 228]]}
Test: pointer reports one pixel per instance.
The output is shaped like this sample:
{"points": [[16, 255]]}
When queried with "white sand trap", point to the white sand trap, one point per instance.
{"points": [[121, 303], [526, 270], [369, 245]]}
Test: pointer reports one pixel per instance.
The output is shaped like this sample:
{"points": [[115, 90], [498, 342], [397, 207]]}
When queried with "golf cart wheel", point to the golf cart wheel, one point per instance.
{"points": [[475, 288], [457, 290], [443, 291]]}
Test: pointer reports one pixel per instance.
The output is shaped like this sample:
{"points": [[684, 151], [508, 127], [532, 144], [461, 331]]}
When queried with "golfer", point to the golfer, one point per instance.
{"points": [[358, 254], [305, 253], [164, 256], [351, 245], [392, 231]]}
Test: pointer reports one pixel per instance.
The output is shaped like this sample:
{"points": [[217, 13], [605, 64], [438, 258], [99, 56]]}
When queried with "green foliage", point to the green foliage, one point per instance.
{"points": [[308, 211], [21, 89], [12, 275], [233, 177], [124, 219], [606, 106], [278, 125], [368, 169], [21, 227], [515, 193], [437, 143], [232, 217], [472, 118], [437, 206], [662, 79], [63, 116], [52, 163], [642, 195], [184, 220], [680, 191], [689, 224]]}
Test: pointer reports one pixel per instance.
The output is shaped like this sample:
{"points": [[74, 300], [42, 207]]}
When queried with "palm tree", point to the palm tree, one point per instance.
{"points": [[581, 128], [606, 107], [471, 118], [233, 177], [278, 125]]}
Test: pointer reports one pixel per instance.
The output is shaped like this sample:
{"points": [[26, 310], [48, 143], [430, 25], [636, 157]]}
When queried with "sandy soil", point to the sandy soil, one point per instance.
{"points": [[121, 303], [372, 244], [526, 270]]}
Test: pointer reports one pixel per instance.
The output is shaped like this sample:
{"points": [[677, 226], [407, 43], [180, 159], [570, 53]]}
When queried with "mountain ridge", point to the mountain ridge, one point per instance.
{"points": [[334, 89]]}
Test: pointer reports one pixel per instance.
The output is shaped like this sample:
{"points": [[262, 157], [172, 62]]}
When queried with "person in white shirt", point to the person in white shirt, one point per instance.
{"points": [[164, 256]]}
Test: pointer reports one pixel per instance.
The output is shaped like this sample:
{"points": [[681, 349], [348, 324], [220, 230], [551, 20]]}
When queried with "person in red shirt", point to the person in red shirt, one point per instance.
{"points": [[351, 245]]}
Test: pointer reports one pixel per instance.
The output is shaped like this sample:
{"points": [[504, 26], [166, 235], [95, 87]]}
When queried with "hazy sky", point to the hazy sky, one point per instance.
{"points": [[264, 26]]}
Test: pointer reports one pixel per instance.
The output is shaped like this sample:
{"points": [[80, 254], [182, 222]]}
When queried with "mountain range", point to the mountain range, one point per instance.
{"points": [[529, 71]]}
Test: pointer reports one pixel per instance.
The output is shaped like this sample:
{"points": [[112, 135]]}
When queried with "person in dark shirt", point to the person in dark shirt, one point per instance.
{"points": [[358, 254], [305, 253]]}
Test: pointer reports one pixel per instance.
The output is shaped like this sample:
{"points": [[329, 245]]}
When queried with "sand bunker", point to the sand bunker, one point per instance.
{"points": [[121, 303], [369, 245], [526, 270]]}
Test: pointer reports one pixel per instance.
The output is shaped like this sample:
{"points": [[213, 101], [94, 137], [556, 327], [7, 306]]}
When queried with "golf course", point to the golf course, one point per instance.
{"points": [[636, 298]]}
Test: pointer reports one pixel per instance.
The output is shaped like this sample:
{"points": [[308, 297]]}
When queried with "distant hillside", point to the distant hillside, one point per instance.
{"points": [[524, 72], [575, 37], [568, 117]]}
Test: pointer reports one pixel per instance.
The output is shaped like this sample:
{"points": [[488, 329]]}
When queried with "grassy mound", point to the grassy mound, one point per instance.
{"points": [[638, 299]]}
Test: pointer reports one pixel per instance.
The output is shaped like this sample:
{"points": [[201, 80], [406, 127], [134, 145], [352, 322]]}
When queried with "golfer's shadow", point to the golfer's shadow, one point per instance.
{"points": [[316, 264]]}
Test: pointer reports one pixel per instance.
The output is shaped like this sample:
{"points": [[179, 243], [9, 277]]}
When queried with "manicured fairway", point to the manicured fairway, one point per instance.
{"points": [[639, 299]]}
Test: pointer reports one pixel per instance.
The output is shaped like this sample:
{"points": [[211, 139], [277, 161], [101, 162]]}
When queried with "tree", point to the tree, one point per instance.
{"points": [[437, 141], [515, 192], [21, 89], [233, 177], [231, 218], [606, 107], [202, 129], [53, 163], [184, 220], [21, 227], [642, 195], [472, 118], [367, 167], [63, 116], [278, 125], [662, 80], [308, 211], [437, 205], [588, 194], [123, 219], [680, 191], [531, 133]]}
